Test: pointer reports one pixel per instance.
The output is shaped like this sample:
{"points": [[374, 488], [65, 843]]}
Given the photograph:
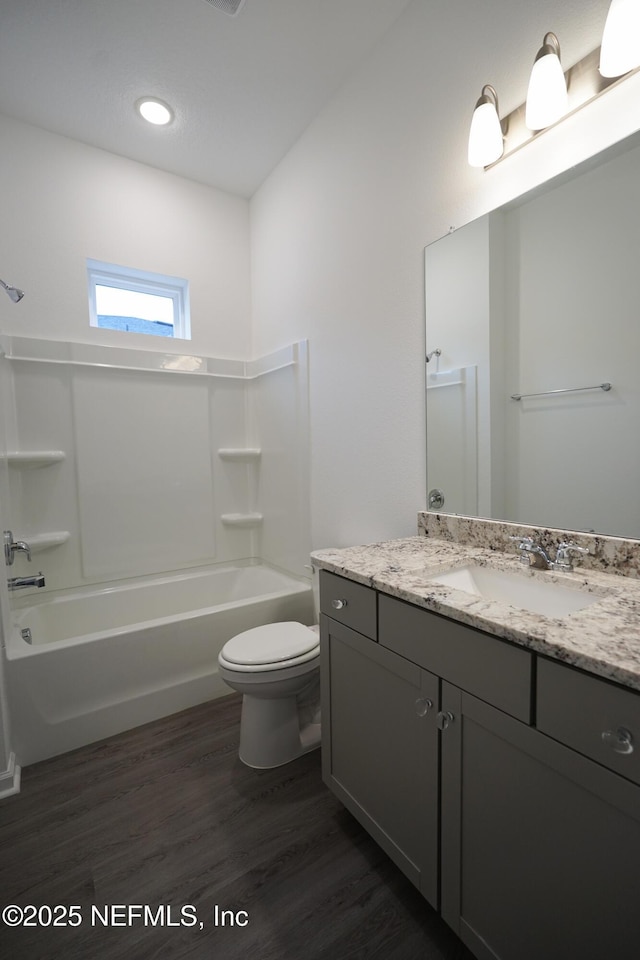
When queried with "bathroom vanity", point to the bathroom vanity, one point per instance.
{"points": [[490, 751]]}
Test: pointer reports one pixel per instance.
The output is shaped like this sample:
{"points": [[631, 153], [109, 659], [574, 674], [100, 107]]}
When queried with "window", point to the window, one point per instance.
{"points": [[135, 301]]}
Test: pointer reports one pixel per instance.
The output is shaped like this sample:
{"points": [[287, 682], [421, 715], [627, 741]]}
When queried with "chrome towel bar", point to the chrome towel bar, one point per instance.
{"points": [[550, 393]]}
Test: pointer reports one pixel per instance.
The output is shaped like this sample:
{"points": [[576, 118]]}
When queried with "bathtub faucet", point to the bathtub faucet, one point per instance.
{"points": [[20, 583], [11, 547]]}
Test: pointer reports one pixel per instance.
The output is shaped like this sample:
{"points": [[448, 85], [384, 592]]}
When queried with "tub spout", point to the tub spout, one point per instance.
{"points": [[20, 583]]}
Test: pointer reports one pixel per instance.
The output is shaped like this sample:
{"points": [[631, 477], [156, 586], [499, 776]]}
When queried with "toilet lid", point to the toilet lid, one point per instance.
{"points": [[270, 643]]}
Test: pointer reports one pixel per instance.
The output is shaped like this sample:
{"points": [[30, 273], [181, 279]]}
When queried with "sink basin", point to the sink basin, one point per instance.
{"points": [[529, 593]]}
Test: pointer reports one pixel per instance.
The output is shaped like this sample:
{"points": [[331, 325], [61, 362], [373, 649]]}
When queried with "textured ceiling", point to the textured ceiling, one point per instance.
{"points": [[243, 88]]}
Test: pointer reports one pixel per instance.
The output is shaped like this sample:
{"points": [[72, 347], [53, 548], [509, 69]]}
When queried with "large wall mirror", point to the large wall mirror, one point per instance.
{"points": [[533, 334]]}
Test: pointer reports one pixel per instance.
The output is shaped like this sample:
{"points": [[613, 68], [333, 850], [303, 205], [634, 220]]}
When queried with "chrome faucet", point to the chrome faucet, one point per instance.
{"points": [[532, 554], [11, 547], [21, 583]]}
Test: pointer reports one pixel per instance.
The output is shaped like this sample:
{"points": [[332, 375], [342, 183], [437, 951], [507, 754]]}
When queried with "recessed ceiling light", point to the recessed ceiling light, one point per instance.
{"points": [[154, 111]]}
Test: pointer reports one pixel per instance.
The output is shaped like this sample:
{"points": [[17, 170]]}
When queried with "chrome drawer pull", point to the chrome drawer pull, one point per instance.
{"points": [[444, 719], [338, 604], [620, 740], [423, 705]]}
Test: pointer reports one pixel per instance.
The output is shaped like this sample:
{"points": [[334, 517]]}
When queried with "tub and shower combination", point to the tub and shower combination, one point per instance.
{"points": [[86, 663]]}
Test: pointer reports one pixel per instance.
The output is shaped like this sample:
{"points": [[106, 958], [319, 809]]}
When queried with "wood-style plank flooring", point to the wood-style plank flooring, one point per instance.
{"points": [[166, 815]]}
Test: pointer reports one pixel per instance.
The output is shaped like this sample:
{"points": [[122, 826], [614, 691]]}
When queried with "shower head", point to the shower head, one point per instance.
{"points": [[13, 292]]}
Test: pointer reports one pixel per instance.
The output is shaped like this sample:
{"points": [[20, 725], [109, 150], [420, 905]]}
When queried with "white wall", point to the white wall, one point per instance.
{"points": [[65, 201], [339, 227]]}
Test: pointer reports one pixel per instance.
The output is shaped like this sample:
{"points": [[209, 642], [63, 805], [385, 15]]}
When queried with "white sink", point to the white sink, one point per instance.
{"points": [[520, 590]]}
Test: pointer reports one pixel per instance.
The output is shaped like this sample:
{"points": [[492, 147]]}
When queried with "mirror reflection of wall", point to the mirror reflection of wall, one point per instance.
{"points": [[543, 295]]}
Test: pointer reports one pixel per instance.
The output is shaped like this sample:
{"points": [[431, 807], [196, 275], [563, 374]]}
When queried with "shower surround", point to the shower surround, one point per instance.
{"points": [[124, 468]]}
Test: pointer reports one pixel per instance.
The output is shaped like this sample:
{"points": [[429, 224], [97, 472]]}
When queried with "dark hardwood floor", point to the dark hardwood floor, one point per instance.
{"points": [[167, 816]]}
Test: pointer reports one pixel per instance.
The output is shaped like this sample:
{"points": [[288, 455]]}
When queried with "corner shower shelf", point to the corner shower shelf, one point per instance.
{"points": [[241, 519], [44, 541], [240, 454], [28, 459]]}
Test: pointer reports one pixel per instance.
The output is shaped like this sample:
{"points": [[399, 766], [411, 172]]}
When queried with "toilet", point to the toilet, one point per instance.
{"points": [[276, 667]]}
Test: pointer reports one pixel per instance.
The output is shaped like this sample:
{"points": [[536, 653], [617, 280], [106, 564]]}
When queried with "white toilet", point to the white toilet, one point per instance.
{"points": [[277, 669]]}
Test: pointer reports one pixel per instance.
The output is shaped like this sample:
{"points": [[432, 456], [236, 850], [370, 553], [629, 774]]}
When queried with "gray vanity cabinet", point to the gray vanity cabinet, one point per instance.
{"points": [[512, 802], [540, 846]]}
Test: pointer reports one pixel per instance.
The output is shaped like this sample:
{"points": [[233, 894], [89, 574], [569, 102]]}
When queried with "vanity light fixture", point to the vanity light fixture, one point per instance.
{"points": [[486, 143], [554, 95], [154, 111], [620, 50], [547, 98]]}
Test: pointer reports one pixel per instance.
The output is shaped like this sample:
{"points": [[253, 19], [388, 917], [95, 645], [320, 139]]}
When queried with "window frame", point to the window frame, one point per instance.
{"points": [[176, 289]]}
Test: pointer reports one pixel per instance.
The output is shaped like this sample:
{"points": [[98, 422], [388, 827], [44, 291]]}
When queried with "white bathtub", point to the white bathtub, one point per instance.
{"points": [[105, 659]]}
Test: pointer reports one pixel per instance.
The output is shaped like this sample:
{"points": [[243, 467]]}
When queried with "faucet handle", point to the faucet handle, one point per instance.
{"points": [[532, 554], [523, 542], [525, 546], [11, 546], [568, 546], [563, 559]]}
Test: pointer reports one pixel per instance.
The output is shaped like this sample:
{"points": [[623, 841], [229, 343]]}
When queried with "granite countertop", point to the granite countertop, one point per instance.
{"points": [[603, 638]]}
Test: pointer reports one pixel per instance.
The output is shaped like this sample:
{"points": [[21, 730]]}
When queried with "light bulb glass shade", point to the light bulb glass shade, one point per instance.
{"points": [[547, 98], [620, 50], [154, 111], [486, 144]]}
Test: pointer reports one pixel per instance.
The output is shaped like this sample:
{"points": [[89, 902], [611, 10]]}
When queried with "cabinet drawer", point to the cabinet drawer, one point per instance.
{"points": [[590, 715], [348, 602], [482, 665]]}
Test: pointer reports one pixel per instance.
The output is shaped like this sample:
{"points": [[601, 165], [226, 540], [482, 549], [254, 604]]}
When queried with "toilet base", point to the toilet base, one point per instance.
{"points": [[270, 733]]}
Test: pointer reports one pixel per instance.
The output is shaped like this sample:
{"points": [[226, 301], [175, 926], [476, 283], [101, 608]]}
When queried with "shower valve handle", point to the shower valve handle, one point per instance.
{"points": [[11, 547]]}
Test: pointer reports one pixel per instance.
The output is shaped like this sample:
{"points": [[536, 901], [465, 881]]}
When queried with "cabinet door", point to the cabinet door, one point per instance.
{"points": [[540, 846], [380, 747]]}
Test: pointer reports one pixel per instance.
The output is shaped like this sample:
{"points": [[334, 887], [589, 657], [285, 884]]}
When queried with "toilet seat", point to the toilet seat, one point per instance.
{"points": [[273, 646], [268, 667]]}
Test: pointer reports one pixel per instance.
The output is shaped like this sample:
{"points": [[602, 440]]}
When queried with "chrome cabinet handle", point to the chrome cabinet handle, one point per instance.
{"points": [[445, 719], [338, 604], [620, 740], [423, 705]]}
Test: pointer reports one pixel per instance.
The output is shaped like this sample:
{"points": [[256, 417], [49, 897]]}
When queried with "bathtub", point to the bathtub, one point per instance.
{"points": [[105, 659]]}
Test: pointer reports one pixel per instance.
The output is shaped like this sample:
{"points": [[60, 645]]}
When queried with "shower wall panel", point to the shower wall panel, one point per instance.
{"points": [[144, 472]]}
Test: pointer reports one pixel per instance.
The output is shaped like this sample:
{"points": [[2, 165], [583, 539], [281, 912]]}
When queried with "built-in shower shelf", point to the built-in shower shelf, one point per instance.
{"points": [[44, 541], [241, 519], [240, 454], [30, 459]]}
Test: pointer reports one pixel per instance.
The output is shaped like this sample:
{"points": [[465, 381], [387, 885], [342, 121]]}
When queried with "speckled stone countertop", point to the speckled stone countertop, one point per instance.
{"points": [[603, 638]]}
